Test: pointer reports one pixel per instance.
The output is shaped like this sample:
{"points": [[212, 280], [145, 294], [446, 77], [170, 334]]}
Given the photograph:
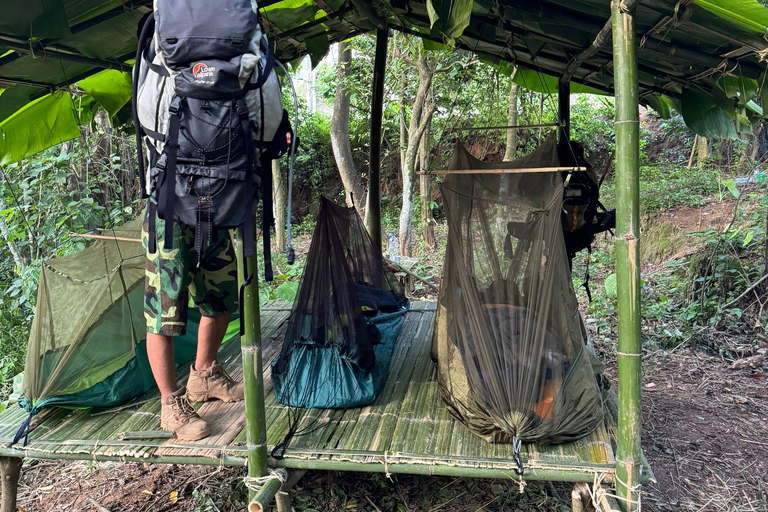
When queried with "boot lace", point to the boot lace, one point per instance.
{"points": [[183, 406]]}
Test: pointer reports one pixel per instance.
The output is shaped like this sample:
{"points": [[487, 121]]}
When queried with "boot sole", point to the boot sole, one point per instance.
{"points": [[181, 437], [198, 399]]}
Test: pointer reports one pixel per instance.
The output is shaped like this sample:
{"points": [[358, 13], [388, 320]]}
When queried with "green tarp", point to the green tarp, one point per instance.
{"points": [[87, 341]]}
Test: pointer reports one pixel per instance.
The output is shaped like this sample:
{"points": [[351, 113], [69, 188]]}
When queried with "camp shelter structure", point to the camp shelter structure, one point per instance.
{"points": [[704, 57]]}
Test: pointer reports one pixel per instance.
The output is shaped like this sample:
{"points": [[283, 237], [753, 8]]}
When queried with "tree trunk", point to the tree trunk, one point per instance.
{"points": [[703, 152], [420, 117], [511, 150], [10, 470], [425, 187], [280, 189], [342, 150]]}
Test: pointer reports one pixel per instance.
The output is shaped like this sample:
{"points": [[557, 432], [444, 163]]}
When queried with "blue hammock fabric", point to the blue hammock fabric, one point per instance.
{"points": [[323, 377], [345, 321]]}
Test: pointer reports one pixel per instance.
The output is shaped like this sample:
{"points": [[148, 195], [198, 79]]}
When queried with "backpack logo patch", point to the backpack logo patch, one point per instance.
{"points": [[203, 73]]}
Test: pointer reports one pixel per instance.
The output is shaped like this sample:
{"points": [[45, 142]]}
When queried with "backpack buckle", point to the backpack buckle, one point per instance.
{"points": [[242, 110]]}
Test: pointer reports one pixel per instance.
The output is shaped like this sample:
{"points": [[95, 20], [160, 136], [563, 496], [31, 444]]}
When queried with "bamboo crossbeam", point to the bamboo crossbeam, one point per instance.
{"points": [[104, 237], [506, 171], [515, 127]]}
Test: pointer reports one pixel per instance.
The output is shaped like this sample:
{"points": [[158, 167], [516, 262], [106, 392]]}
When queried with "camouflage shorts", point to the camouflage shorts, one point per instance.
{"points": [[172, 276]]}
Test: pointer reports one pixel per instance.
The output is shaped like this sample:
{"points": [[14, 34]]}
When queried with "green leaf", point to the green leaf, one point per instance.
{"points": [[749, 237], [660, 104], [732, 188], [449, 18], [38, 125], [111, 88], [746, 14], [287, 291], [611, 287], [703, 115]]}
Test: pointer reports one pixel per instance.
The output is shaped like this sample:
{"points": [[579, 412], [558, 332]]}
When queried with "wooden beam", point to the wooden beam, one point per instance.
{"points": [[373, 215], [601, 40], [629, 350], [446, 172], [10, 469]]}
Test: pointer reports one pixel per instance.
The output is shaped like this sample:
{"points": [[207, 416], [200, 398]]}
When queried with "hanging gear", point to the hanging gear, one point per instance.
{"points": [[583, 216], [207, 104]]}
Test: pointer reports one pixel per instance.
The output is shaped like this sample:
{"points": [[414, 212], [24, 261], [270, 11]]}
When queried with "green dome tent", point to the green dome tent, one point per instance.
{"points": [[87, 343]]}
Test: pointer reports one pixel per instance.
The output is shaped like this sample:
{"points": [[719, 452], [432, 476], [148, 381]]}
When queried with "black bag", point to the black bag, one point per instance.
{"points": [[207, 103]]}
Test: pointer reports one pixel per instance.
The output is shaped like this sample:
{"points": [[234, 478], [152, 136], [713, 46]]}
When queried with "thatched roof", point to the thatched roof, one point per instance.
{"points": [[704, 57]]}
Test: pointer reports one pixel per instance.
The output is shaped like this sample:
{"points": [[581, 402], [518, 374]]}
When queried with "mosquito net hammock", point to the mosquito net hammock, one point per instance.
{"points": [[87, 341], [509, 342], [345, 320]]}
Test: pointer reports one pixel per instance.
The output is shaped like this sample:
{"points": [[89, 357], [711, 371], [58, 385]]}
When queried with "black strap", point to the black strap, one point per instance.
{"points": [[24, 430], [250, 149], [586, 274], [167, 196], [152, 227], [267, 218], [147, 29], [153, 134], [266, 200], [204, 226], [264, 75]]}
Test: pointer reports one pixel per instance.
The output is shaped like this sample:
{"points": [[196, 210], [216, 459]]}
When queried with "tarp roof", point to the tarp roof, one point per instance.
{"points": [[704, 57]]}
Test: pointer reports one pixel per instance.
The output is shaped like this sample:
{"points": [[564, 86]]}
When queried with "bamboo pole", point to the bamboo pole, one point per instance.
{"points": [[250, 343], [627, 129], [373, 215]]}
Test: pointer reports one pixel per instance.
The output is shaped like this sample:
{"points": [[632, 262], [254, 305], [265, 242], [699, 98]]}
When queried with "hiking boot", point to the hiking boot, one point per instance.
{"points": [[178, 416], [213, 383]]}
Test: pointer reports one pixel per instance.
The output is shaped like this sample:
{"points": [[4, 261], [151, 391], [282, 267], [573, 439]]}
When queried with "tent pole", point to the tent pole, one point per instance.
{"points": [[564, 111], [250, 344], [627, 128], [373, 216]]}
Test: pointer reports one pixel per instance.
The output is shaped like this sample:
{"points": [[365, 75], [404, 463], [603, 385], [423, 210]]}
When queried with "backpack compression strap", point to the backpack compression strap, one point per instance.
{"points": [[167, 203]]}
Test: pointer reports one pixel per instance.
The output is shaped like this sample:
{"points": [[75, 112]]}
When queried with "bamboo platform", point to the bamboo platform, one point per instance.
{"points": [[406, 430]]}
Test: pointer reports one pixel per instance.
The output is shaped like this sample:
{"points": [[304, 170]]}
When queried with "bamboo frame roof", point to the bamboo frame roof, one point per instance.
{"points": [[406, 430]]}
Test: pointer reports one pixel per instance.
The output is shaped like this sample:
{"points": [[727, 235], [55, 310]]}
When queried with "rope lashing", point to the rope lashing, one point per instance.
{"points": [[255, 483], [520, 469]]}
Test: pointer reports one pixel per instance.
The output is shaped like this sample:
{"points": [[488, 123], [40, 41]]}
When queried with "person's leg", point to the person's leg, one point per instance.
{"points": [[210, 334], [160, 355], [214, 290]]}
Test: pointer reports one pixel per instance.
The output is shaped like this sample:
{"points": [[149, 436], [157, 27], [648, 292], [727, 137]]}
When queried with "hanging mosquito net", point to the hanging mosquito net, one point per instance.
{"points": [[87, 341], [346, 318], [509, 341]]}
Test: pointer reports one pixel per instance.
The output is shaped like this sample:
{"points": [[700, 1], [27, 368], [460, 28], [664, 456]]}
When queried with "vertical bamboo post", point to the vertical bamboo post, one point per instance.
{"points": [[627, 129], [250, 344], [564, 112], [373, 215]]}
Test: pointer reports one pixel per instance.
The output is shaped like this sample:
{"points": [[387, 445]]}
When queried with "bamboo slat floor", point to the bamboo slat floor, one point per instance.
{"points": [[406, 430]]}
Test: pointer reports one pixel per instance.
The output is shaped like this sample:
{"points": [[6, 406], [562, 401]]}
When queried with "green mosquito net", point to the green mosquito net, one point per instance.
{"points": [[509, 341], [87, 341]]}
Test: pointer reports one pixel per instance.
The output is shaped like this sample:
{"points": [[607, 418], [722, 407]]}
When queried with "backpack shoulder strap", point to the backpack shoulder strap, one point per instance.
{"points": [[147, 30]]}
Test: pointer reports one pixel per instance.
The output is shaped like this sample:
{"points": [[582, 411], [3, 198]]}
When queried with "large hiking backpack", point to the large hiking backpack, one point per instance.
{"points": [[207, 104], [583, 215]]}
